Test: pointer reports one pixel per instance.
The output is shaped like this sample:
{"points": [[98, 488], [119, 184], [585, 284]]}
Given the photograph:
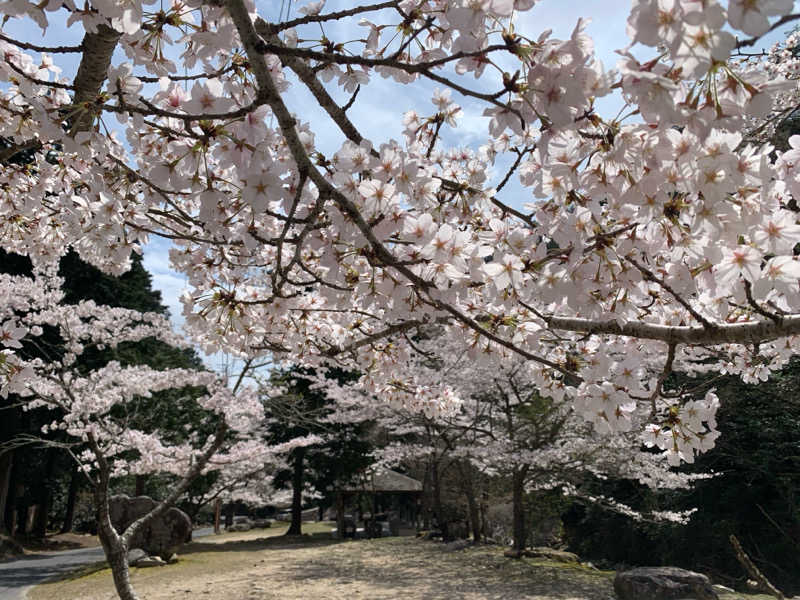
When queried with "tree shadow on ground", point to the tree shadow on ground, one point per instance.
{"points": [[424, 570], [280, 542]]}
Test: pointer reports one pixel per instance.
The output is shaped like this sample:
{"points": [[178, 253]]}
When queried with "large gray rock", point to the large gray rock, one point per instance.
{"points": [[662, 583], [552, 554], [163, 536], [150, 561]]}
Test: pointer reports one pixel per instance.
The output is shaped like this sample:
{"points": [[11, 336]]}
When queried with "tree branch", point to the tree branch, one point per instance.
{"points": [[98, 48], [751, 332]]}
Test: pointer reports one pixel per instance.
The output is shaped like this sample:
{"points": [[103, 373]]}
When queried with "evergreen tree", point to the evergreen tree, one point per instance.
{"points": [[302, 410]]}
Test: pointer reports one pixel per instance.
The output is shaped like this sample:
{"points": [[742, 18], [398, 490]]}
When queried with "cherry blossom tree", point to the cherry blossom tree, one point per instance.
{"points": [[633, 245], [98, 407], [501, 425]]}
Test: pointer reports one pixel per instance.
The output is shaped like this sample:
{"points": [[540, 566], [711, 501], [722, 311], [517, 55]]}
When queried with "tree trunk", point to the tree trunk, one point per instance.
{"points": [[11, 502], [474, 516], [6, 462], [45, 495], [217, 511], [340, 514], [21, 512], [466, 473], [72, 495], [438, 509], [484, 508], [229, 510], [113, 546], [297, 492], [30, 517], [518, 500], [427, 492], [140, 482]]}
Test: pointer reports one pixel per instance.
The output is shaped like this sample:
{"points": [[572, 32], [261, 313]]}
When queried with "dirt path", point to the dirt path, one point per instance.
{"points": [[262, 565], [383, 569]]}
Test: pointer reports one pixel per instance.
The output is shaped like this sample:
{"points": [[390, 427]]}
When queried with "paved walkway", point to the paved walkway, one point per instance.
{"points": [[17, 576]]}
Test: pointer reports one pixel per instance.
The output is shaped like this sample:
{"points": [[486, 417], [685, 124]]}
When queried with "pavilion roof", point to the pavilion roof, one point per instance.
{"points": [[385, 480]]}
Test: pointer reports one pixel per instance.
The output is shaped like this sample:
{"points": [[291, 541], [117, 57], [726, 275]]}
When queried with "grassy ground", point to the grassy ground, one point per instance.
{"points": [[261, 565]]}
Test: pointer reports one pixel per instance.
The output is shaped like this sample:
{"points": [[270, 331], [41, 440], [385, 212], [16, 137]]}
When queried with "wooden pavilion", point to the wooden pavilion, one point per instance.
{"points": [[387, 502]]}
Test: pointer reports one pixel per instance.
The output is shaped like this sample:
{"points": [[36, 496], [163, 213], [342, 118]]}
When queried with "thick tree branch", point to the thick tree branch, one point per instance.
{"points": [[98, 48], [751, 332]]}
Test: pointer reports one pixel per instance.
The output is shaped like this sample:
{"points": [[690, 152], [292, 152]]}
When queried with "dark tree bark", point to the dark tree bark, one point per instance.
{"points": [[72, 496], [217, 512], [467, 480], [6, 464], [20, 507], [484, 508], [140, 482], [438, 508], [474, 515], [518, 508], [114, 545], [45, 494], [340, 514], [11, 505], [297, 492], [229, 511], [427, 492]]}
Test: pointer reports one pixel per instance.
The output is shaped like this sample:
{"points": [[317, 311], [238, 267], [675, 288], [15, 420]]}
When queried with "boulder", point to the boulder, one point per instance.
{"points": [[163, 536], [663, 583], [150, 561], [552, 554]]}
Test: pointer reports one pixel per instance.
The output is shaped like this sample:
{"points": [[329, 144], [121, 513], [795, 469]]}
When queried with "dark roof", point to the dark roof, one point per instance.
{"points": [[385, 480]]}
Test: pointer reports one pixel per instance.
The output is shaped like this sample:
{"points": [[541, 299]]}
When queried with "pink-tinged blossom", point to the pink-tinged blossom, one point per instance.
{"points": [[778, 234], [207, 97], [742, 261], [506, 272], [750, 16], [11, 334], [780, 273], [312, 8]]}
